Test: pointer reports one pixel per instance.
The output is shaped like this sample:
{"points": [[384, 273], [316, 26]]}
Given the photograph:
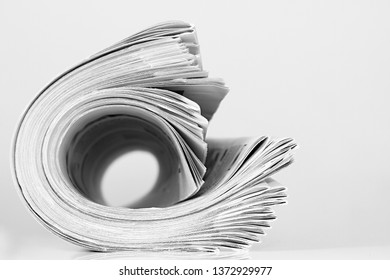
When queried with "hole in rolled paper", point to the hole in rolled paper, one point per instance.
{"points": [[99, 151], [129, 178]]}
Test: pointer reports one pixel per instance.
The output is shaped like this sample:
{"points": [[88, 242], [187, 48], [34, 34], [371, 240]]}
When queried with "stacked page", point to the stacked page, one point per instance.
{"points": [[147, 92]]}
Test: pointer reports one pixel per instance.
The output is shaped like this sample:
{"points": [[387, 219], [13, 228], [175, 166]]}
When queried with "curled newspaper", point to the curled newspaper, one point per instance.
{"points": [[149, 92]]}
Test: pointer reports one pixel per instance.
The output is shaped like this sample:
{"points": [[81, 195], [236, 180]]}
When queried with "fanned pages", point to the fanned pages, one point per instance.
{"points": [[148, 92]]}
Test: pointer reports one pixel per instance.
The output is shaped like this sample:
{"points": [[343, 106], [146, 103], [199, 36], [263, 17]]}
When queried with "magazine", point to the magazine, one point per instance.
{"points": [[147, 92]]}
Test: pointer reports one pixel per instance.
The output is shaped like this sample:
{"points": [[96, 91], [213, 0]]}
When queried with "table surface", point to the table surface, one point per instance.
{"points": [[48, 246]]}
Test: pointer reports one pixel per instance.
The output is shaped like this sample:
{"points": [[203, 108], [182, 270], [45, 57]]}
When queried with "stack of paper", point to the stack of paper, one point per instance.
{"points": [[146, 92]]}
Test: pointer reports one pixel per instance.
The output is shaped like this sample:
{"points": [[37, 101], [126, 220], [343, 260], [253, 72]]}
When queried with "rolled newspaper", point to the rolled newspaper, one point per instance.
{"points": [[148, 92]]}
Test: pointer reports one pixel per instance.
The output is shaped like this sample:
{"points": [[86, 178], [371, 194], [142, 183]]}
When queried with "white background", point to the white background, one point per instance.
{"points": [[317, 71]]}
